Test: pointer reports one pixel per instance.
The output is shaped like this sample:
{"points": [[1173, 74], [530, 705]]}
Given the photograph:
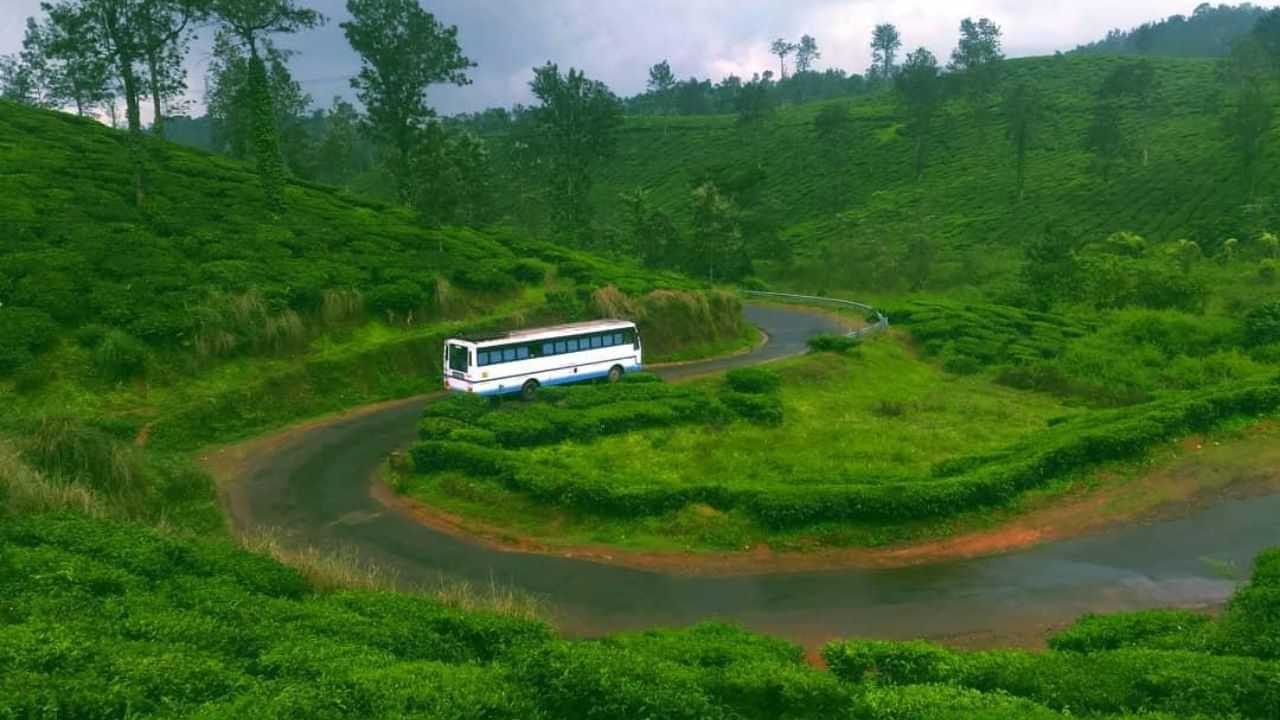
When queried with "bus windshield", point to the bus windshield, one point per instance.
{"points": [[458, 358]]}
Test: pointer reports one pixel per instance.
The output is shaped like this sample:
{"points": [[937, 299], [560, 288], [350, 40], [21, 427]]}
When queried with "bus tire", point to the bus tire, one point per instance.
{"points": [[615, 374], [529, 389]]}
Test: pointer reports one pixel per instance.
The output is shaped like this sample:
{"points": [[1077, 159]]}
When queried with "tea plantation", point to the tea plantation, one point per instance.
{"points": [[102, 619]]}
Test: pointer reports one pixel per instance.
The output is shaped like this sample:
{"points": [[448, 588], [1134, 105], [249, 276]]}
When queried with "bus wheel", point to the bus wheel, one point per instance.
{"points": [[529, 389], [615, 374]]}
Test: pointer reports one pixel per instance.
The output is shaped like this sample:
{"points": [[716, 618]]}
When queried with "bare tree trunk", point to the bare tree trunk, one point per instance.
{"points": [[153, 70], [133, 115]]}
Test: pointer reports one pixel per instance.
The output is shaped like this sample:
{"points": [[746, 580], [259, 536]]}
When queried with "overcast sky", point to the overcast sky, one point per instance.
{"points": [[616, 40]]}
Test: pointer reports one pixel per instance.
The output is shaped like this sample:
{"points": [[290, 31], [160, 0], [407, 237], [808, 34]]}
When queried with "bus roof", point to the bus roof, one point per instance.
{"points": [[546, 332]]}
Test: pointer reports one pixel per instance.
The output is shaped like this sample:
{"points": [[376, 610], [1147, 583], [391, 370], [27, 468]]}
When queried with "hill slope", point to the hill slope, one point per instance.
{"points": [[863, 195], [204, 315]]}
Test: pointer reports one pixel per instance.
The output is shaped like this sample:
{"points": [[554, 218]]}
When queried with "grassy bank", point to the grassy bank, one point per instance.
{"points": [[108, 619]]}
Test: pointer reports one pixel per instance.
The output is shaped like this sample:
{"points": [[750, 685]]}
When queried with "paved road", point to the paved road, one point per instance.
{"points": [[316, 490]]}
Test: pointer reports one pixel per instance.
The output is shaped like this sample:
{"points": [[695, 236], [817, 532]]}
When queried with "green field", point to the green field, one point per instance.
{"points": [[880, 417]]}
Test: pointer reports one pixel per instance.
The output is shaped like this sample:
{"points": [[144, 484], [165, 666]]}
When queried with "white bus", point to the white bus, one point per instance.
{"points": [[523, 361]]}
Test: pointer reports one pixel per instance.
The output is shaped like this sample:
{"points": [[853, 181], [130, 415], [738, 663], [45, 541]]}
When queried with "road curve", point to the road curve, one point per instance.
{"points": [[314, 488]]}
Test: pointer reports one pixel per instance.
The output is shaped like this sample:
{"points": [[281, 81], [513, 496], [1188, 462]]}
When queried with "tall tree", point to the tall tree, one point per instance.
{"points": [[885, 43], [919, 88], [1247, 125], [782, 49], [1022, 112], [340, 144], [1267, 33], [662, 83], [1247, 121], [979, 61], [454, 183], [653, 235], [403, 51], [574, 128], [252, 22], [1105, 138], [164, 38], [834, 127], [806, 53], [20, 82], [715, 246], [114, 26], [230, 99], [78, 73], [1135, 88]]}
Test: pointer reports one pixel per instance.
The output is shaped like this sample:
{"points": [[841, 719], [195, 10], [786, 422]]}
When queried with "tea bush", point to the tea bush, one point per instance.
{"points": [[110, 619], [965, 483], [1153, 629], [844, 344], [757, 381]]}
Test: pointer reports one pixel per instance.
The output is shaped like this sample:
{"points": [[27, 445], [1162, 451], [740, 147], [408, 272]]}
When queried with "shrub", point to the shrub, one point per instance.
{"points": [[886, 408], [574, 270], [24, 332], [843, 344], [1262, 325], [120, 356], [1155, 629], [641, 378], [1251, 625], [1117, 681], [91, 335], [482, 278], [763, 409], [754, 380], [401, 296], [528, 272]]}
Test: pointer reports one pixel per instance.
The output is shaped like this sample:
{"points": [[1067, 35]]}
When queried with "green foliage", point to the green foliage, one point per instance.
{"points": [[24, 332], [403, 50], [757, 381], [105, 618], [844, 344], [763, 409], [1117, 681], [1152, 629], [1252, 623], [120, 356]]}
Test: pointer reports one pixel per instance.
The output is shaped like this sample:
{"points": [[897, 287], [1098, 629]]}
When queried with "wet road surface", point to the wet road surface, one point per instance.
{"points": [[315, 489]]}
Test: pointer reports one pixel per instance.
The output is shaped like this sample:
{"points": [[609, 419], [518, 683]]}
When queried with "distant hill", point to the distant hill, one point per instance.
{"points": [[1208, 32], [841, 204]]}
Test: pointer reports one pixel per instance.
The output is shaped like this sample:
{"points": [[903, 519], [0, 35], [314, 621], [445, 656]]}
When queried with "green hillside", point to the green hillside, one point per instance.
{"points": [[861, 196], [202, 315]]}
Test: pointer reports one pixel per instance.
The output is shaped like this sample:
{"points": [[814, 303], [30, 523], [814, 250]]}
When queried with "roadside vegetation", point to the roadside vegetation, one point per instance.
{"points": [[109, 619]]}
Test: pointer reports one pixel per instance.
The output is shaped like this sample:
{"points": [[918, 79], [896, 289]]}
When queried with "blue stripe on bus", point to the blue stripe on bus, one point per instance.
{"points": [[561, 381]]}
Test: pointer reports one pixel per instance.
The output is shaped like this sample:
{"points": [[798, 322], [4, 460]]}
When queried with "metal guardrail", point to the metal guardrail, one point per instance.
{"points": [[881, 324]]}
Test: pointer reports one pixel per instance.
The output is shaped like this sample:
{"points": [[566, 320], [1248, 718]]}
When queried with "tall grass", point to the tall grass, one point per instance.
{"points": [[342, 568], [24, 489]]}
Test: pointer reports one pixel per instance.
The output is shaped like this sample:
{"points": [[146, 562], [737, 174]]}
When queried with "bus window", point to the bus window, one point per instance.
{"points": [[596, 341], [548, 349], [459, 358], [608, 340], [508, 355], [617, 339], [522, 352], [561, 346]]}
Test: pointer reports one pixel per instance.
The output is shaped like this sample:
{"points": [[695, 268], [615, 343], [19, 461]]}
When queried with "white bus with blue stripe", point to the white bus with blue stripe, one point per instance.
{"points": [[523, 361]]}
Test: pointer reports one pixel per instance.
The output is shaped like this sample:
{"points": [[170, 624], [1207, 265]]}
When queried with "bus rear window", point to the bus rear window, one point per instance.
{"points": [[459, 358]]}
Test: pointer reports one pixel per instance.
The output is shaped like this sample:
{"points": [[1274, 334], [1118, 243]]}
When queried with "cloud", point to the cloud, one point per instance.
{"points": [[616, 41]]}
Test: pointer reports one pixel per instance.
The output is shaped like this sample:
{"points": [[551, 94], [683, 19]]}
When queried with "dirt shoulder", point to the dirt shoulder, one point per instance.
{"points": [[1193, 474]]}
